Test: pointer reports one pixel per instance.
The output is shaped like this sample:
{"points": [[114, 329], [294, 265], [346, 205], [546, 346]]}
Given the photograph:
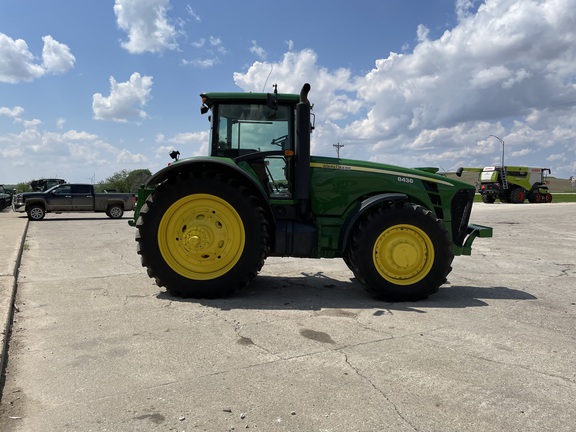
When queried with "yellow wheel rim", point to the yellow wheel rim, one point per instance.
{"points": [[201, 236], [403, 254]]}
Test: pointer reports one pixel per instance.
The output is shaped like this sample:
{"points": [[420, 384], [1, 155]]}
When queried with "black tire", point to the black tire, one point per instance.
{"points": [[488, 199], [401, 253], [517, 196], [36, 213], [349, 263], [115, 212], [203, 237]]}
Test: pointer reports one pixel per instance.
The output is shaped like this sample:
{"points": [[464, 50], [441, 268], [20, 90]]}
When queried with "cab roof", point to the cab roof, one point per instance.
{"points": [[230, 97]]}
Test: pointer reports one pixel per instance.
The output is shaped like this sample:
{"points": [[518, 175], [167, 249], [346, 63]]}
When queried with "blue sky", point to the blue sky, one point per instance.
{"points": [[89, 88]]}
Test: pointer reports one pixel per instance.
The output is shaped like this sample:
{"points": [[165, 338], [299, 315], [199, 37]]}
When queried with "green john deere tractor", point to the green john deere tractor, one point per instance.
{"points": [[512, 184], [205, 225]]}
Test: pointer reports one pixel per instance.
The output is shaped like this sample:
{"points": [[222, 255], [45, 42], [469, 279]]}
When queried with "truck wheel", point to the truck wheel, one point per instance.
{"points": [[203, 237], [401, 253], [36, 213], [517, 196], [488, 199], [115, 212]]}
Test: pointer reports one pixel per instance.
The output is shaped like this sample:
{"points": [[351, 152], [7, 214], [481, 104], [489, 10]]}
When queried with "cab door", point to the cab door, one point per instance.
{"points": [[61, 198], [82, 198]]}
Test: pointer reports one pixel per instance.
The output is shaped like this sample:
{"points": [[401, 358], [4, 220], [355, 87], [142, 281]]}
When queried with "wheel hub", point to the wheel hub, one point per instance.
{"points": [[201, 236], [403, 254]]}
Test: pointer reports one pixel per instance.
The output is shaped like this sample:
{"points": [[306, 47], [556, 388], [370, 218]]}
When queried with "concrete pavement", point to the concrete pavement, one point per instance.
{"points": [[97, 346]]}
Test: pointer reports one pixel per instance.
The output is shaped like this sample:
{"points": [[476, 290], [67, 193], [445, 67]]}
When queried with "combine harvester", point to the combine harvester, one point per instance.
{"points": [[512, 184]]}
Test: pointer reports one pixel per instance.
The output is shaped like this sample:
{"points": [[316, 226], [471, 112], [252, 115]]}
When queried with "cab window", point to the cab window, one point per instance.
{"points": [[245, 128], [63, 190], [242, 129], [81, 189]]}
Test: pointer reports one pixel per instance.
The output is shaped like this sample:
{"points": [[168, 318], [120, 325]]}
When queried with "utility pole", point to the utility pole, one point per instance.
{"points": [[338, 147]]}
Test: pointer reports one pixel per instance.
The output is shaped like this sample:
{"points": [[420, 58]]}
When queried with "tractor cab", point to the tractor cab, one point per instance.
{"points": [[257, 131]]}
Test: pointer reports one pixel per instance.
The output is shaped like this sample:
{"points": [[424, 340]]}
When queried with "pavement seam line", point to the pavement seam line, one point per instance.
{"points": [[10, 317]]}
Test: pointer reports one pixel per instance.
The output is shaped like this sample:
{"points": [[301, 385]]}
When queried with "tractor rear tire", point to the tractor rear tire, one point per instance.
{"points": [[401, 253], [203, 237]]}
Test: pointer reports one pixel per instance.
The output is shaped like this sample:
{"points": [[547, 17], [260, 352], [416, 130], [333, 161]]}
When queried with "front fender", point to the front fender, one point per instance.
{"points": [[361, 209]]}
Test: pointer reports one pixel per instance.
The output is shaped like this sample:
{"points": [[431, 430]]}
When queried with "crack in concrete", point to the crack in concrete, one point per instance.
{"points": [[378, 390]]}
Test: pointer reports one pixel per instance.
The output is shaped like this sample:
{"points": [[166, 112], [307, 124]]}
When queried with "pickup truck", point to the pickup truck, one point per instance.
{"points": [[65, 198], [5, 198]]}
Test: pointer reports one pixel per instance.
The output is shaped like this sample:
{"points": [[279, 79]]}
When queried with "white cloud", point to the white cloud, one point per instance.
{"points": [[147, 25], [56, 56], [192, 13], [202, 63], [422, 33], [17, 62], [216, 43], [30, 124], [126, 99], [127, 157], [48, 154], [199, 43], [196, 142], [212, 49], [463, 8], [258, 51], [15, 112]]}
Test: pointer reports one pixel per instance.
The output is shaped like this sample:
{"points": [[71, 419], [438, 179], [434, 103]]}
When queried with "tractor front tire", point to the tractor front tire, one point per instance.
{"points": [[203, 237], [401, 253]]}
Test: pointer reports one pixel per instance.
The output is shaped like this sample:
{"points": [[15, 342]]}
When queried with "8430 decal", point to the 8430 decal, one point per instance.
{"points": [[405, 179]]}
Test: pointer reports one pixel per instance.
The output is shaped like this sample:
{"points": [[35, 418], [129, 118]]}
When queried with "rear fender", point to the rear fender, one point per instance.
{"points": [[362, 208], [222, 165]]}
